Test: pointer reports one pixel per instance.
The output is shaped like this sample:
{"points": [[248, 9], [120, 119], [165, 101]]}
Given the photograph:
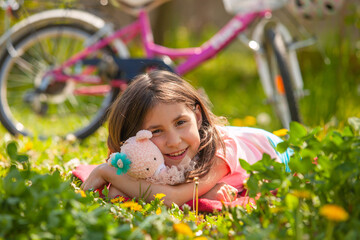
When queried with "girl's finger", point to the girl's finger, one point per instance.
{"points": [[221, 196], [228, 195], [232, 193]]}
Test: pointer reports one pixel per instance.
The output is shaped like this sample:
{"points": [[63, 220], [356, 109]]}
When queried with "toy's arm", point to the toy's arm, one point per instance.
{"points": [[178, 194]]}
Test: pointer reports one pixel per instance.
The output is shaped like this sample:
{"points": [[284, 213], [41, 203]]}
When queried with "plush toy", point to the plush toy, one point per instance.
{"points": [[140, 158]]}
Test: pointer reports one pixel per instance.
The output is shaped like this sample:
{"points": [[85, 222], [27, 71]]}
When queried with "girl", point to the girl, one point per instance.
{"points": [[182, 126]]}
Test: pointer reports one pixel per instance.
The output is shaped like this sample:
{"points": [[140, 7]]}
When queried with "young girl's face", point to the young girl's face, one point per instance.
{"points": [[175, 130]]}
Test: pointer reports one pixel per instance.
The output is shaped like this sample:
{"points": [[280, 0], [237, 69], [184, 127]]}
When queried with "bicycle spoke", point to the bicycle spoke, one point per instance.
{"points": [[56, 108], [25, 65], [57, 40], [45, 54], [73, 101], [19, 80]]}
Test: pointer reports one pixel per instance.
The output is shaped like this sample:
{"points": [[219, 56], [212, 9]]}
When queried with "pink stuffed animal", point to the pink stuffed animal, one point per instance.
{"points": [[140, 158]]}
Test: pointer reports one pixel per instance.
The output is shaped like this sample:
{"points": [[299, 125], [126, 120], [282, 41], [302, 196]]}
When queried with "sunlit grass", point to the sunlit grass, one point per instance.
{"points": [[232, 84]]}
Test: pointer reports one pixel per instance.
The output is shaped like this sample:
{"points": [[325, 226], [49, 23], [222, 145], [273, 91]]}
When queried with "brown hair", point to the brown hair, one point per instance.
{"points": [[128, 111]]}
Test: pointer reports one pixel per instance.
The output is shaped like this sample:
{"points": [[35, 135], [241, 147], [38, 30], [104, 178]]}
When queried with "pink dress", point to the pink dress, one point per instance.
{"points": [[248, 144]]}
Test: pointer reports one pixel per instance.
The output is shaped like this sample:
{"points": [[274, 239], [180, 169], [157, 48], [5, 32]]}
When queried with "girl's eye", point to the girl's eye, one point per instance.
{"points": [[180, 122], [156, 131]]}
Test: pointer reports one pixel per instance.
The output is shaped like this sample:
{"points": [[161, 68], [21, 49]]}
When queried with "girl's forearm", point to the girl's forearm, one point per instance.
{"points": [[178, 194], [141, 188]]}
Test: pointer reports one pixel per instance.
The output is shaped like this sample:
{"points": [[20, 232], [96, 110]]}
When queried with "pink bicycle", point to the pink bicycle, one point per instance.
{"points": [[61, 69]]}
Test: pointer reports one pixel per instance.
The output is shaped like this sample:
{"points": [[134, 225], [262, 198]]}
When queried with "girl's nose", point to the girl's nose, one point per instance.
{"points": [[173, 139]]}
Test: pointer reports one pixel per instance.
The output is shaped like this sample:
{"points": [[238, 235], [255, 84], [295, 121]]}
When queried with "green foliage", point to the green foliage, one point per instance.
{"points": [[30, 7], [12, 151], [325, 170], [38, 203], [40, 206], [39, 200]]}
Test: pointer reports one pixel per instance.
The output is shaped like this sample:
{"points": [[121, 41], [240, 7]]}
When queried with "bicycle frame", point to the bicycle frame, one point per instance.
{"points": [[193, 56], [103, 66]]}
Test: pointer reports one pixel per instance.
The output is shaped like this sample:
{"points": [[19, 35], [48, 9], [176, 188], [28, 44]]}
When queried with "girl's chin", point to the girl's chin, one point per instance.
{"points": [[172, 162]]}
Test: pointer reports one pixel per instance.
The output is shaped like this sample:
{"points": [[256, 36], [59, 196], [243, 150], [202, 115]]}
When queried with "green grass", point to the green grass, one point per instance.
{"points": [[39, 199], [334, 87], [232, 83]]}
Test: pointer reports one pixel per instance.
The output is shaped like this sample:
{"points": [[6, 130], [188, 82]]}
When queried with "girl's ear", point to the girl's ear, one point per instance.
{"points": [[198, 115]]}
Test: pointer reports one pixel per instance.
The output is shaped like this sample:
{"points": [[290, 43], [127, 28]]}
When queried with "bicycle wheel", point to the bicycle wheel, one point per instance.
{"points": [[284, 100], [64, 108]]}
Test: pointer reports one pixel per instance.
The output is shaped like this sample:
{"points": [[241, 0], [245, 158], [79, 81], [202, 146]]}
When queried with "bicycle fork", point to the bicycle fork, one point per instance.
{"points": [[262, 62]]}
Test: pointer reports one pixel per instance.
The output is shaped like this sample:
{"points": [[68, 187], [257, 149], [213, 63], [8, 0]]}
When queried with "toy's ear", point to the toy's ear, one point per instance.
{"points": [[143, 135]]}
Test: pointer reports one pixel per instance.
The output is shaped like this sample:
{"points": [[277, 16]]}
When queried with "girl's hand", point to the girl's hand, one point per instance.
{"points": [[222, 192], [95, 179]]}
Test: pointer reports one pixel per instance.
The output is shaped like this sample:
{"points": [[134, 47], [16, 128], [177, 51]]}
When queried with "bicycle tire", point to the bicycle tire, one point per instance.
{"points": [[284, 100], [25, 38]]}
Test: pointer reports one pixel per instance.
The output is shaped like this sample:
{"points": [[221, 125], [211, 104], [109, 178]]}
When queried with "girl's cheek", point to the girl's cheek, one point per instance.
{"points": [[157, 141]]}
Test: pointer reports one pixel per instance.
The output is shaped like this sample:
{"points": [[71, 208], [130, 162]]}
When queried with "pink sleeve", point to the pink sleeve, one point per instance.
{"points": [[229, 156], [257, 144], [237, 174], [242, 143]]}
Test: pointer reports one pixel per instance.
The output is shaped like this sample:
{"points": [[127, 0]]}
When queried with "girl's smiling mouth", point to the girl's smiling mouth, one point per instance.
{"points": [[177, 155]]}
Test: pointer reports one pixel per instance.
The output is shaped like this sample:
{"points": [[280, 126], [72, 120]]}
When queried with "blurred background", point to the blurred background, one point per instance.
{"points": [[330, 68]]}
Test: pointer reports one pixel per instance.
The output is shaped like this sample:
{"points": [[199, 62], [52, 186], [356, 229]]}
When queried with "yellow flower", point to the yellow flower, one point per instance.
{"points": [[117, 200], [334, 213], [159, 195], [28, 146], [281, 132], [302, 194], [132, 205], [183, 229], [276, 209], [200, 238], [158, 211], [82, 193], [249, 121], [237, 122]]}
